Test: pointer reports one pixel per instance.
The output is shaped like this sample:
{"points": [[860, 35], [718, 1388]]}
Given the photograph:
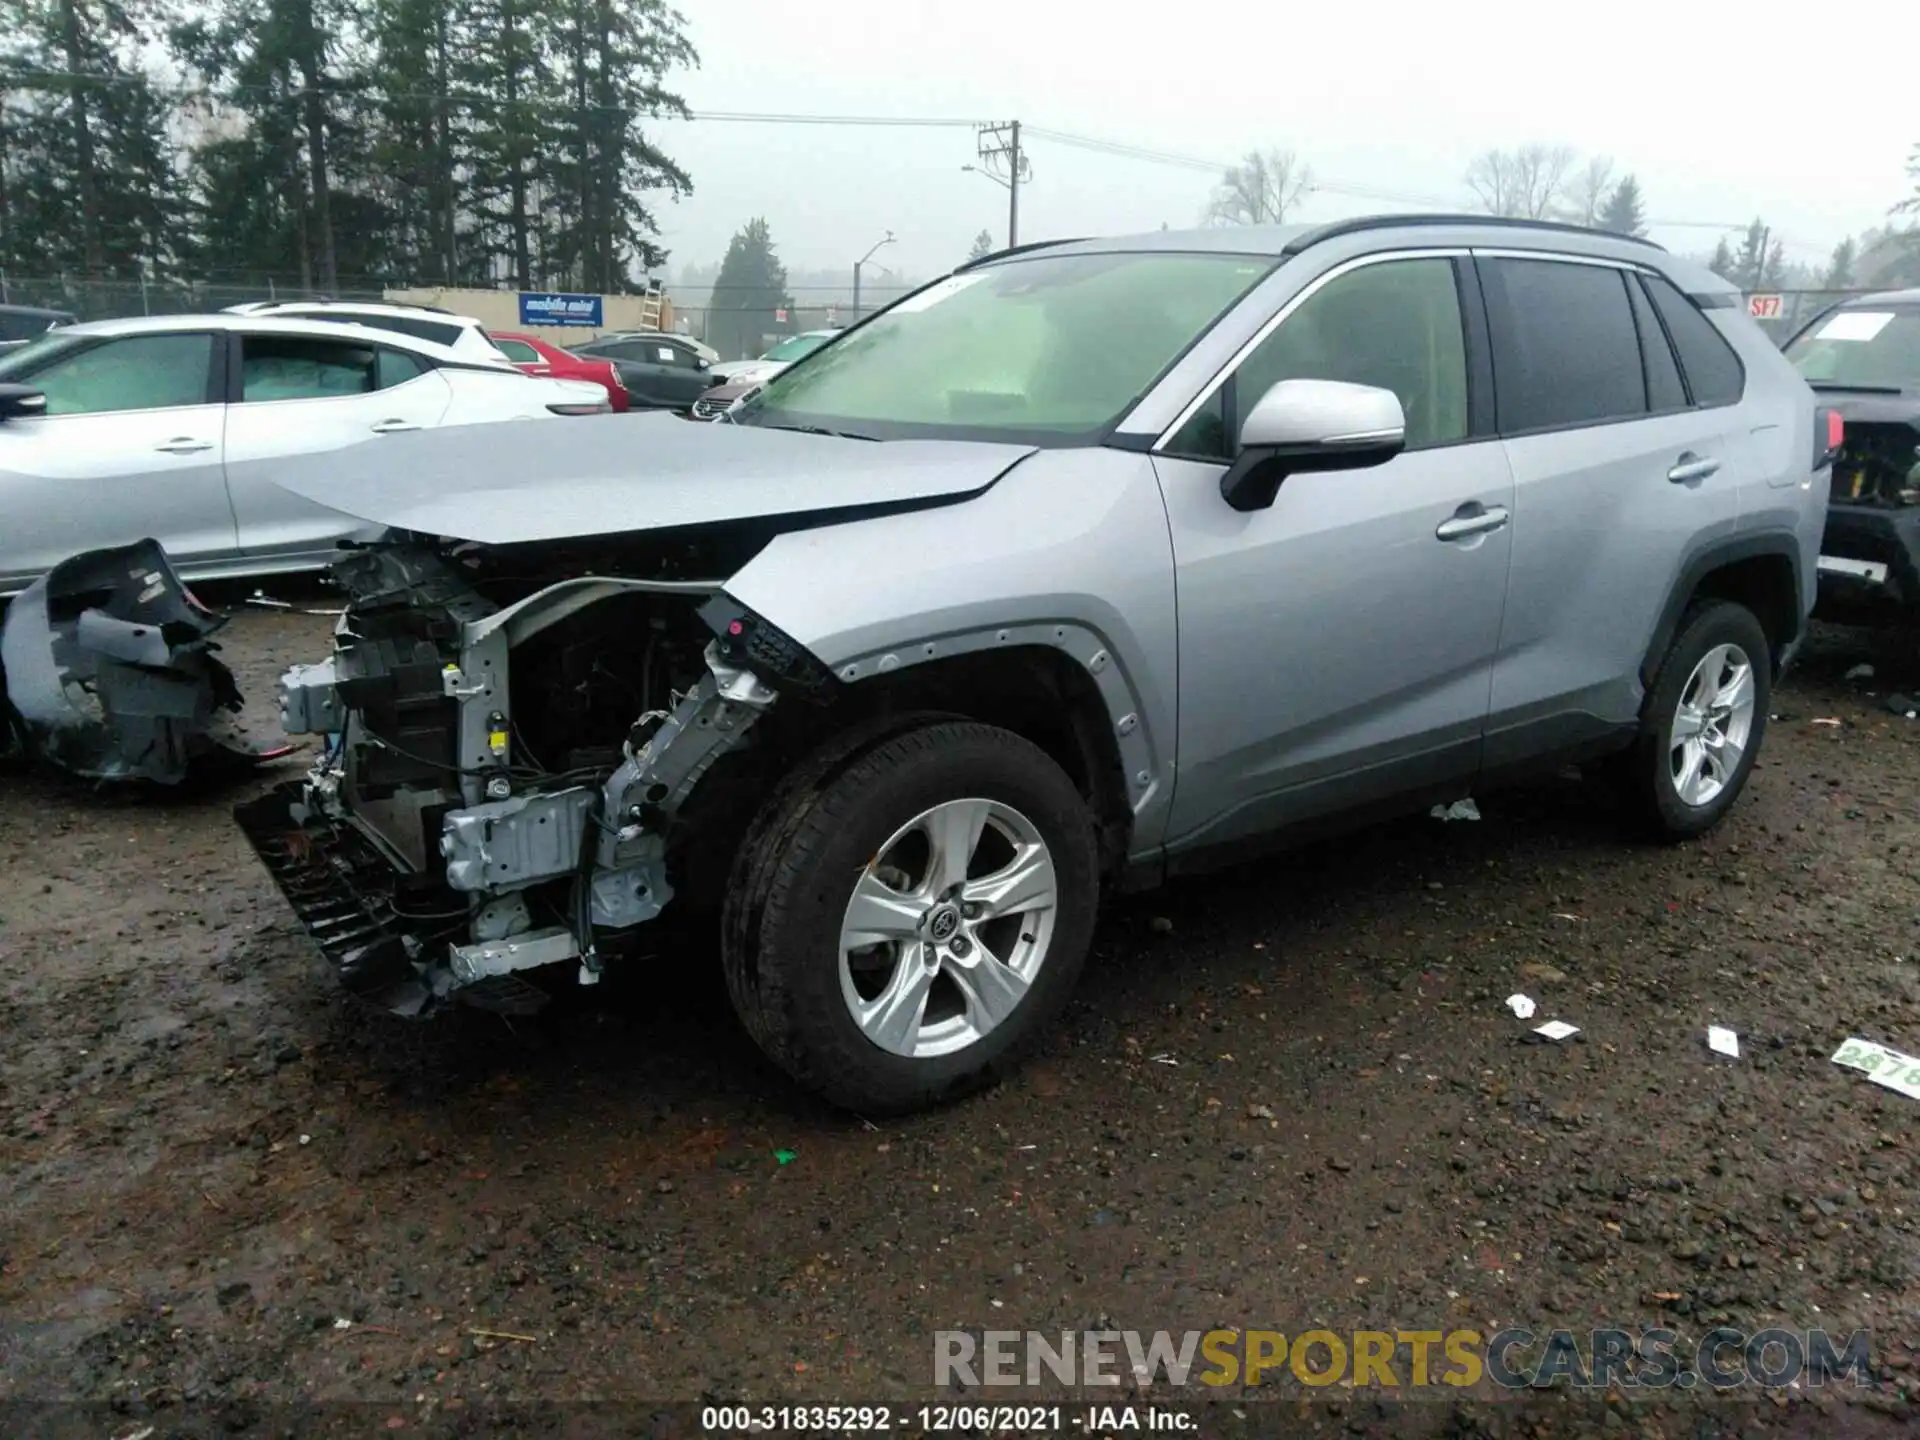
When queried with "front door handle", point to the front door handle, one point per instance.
{"points": [[393, 427], [1690, 467], [1473, 520], [184, 445]]}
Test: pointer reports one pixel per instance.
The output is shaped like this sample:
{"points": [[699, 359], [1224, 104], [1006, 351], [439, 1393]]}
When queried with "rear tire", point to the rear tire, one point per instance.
{"points": [[904, 921], [1702, 722]]}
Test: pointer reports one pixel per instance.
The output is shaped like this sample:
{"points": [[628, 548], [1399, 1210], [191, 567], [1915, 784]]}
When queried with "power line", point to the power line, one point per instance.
{"points": [[1090, 143], [1124, 150]]}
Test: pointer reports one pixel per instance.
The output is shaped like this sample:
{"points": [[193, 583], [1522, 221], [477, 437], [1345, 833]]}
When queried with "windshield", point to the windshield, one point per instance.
{"points": [[1052, 347], [1873, 346], [794, 348]]}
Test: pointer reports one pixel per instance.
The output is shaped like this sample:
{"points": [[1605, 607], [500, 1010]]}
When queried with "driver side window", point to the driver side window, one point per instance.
{"points": [[1395, 324], [140, 372]]}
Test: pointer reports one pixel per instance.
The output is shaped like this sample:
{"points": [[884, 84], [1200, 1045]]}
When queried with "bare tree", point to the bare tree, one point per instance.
{"points": [[1525, 183], [1263, 189], [1588, 192]]}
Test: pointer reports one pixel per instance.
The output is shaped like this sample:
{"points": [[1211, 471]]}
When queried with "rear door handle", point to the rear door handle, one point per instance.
{"points": [[393, 427], [184, 445], [1690, 467], [1475, 522]]}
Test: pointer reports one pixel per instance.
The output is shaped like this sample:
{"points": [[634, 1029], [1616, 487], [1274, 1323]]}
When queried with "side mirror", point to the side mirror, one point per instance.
{"points": [[1300, 426], [21, 402]]}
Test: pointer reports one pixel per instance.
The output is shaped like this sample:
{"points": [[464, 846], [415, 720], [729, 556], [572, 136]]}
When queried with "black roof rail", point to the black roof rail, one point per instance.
{"points": [[333, 300], [1362, 223], [1016, 250]]}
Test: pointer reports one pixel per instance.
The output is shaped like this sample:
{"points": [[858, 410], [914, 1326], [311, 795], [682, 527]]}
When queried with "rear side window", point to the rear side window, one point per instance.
{"points": [[1565, 350], [1665, 391], [517, 351], [1713, 371], [293, 367]]}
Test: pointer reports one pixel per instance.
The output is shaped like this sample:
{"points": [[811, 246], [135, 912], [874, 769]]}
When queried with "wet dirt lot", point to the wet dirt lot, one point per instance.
{"points": [[1289, 1096]]}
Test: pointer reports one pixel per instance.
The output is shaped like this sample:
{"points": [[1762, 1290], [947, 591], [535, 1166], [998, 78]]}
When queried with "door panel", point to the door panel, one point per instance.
{"points": [[1600, 533], [1615, 481], [80, 482], [279, 527], [1333, 650]]}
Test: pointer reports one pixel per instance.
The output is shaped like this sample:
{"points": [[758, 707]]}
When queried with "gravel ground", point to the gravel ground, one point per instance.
{"points": [[1288, 1096]]}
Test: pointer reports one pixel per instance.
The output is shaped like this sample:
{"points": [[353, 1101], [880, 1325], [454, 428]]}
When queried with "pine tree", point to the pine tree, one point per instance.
{"points": [[283, 67], [1624, 212], [616, 56], [1839, 274], [1722, 263], [419, 124], [982, 246], [752, 285], [88, 184], [1756, 263]]}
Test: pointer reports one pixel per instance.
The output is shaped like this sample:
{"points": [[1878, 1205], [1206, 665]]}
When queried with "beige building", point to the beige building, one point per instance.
{"points": [[500, 310]]}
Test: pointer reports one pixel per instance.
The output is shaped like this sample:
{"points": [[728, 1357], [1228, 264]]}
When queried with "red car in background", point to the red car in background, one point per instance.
{"points": [[537, 357]]}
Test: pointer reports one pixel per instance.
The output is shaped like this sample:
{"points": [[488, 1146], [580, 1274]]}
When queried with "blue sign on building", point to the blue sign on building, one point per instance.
{"points": [[550, 309]]}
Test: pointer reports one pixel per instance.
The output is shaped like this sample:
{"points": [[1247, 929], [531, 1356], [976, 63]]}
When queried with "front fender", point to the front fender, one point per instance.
{"points": [[1070, 550]]}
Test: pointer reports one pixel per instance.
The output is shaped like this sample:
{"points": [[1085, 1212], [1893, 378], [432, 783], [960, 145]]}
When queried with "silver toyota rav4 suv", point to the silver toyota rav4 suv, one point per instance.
{"points": [[1090, 563]]}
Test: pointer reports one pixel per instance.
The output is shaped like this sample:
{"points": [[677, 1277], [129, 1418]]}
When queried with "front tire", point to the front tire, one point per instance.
{"points": [[1702, 722], [900, 926]]}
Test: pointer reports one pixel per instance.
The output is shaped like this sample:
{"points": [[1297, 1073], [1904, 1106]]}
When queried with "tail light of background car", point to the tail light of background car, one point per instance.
{"points": [[1829, 437]]}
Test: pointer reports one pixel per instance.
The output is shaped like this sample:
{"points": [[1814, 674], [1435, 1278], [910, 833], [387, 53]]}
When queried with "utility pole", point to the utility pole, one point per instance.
{"points": [[859, 265], [1000, 144]]}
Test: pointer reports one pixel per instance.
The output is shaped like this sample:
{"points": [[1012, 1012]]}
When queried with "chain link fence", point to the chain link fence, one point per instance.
{"points": [[1781, 313], [117, 299]]}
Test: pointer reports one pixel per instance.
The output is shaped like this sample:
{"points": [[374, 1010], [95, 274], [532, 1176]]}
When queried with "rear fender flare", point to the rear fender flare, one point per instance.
{"points": [[1701, 562]]}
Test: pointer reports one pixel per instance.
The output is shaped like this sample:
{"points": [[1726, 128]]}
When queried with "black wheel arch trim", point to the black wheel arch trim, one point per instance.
{"points": [[1714, 555]]}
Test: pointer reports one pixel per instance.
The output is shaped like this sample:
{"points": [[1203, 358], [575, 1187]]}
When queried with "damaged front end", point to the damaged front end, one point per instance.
{"points": [[108, 671], [1870, 554], [512, 748]]}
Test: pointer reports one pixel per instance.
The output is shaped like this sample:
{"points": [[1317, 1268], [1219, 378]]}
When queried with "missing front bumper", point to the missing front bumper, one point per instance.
{"points": [[391, 939]]}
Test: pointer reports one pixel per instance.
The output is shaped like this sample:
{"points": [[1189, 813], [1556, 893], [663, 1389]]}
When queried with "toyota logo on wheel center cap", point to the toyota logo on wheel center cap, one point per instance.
{"points": [[943, 924]]}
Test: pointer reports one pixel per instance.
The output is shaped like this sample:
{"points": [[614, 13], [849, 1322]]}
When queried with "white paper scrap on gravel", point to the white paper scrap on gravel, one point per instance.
{"points": [[1881, 1065], [1723, 1041], [1521, 1006], [1556, 1030]]}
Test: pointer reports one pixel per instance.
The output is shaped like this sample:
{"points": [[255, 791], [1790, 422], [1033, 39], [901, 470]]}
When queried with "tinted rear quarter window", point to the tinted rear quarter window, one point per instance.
{"points": [[1565, 350], [1714, 373]]}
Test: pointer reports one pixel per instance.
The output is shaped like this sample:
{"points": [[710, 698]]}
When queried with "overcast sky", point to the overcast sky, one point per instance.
{"points": [[1721, 114]]}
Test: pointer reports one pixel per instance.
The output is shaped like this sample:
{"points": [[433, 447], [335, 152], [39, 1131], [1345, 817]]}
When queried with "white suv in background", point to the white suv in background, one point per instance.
{"points": [[175, 428], [462, 334]]}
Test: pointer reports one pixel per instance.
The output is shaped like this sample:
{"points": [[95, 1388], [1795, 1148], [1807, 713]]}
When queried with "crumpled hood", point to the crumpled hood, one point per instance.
{"points": [[515, 482]]}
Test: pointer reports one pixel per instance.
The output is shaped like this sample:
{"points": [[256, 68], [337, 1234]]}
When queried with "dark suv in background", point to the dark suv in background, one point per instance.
{"points": [[21, 323], [1863, 359]]}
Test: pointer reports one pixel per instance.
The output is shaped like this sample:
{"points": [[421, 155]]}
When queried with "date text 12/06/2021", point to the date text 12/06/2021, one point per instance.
{"points": [[943, 1419]]}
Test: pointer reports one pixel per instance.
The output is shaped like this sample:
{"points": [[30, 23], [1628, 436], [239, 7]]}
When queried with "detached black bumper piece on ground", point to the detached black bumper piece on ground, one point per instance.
{"points": [[107, 670]]}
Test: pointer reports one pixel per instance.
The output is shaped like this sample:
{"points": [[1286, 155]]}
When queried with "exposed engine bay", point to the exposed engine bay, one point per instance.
{"points": [[513, 737], [1878, 465]]}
